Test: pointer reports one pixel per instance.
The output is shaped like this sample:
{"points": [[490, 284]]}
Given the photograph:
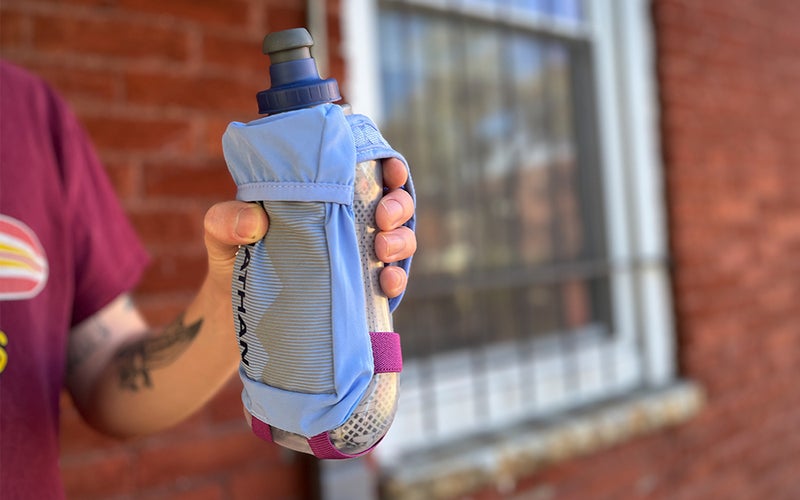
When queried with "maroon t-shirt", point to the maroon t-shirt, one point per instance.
{"points": [[66, 251]]}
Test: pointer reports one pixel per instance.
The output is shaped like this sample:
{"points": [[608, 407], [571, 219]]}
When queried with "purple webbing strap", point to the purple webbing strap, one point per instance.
{"points": [[261, 429], [387, 358], [323, 448], [386, 352]]}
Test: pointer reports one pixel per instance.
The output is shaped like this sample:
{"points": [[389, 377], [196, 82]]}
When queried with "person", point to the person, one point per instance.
{"points": [[69, 260]]}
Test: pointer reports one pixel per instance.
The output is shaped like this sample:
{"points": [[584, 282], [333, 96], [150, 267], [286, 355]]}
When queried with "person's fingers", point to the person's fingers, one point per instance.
{"points": [[393, 281], [394, 210], [230, 224], [395, 174], [395, 245], [394, 242]]}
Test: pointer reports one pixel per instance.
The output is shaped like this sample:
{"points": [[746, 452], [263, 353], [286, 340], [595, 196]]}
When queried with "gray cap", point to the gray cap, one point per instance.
{"points": [[288, 45]]}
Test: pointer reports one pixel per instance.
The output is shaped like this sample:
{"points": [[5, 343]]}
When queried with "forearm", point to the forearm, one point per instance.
{"points": [[156, 379], [126, 381]]}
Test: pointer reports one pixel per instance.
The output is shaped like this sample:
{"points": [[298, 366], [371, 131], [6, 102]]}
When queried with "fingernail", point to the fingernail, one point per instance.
{"points": [[393, 209], [247, 223], [394, 244]]}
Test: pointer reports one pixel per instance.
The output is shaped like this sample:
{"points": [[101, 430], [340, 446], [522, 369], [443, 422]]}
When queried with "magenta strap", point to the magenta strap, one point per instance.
{"points": [[323, 448], [387, 357], [260, 429], [386, 352]]}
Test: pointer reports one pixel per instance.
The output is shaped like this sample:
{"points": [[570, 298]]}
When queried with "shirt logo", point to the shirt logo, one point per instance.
{"points": [[3, 352], [23, 263]]}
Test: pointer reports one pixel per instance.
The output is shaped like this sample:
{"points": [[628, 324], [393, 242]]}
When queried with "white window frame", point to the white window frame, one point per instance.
{"points": [[642, 346]]}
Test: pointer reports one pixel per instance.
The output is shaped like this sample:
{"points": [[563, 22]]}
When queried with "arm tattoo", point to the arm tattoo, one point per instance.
{"points": [[137, 360], [82, 345]]}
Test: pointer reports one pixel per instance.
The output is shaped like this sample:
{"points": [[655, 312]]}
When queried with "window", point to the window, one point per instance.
{"points": [[540, 284]]}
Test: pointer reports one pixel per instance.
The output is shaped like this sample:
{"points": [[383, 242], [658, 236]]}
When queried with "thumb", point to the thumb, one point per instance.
{"points": [[230, 224]]}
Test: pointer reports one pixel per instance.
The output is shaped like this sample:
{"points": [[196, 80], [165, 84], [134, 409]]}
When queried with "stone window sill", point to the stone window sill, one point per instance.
{"points": [[501, 458]]}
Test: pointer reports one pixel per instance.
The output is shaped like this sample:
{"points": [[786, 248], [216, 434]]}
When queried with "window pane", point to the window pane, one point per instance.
{"points": [[554, 10], [509, 243]]}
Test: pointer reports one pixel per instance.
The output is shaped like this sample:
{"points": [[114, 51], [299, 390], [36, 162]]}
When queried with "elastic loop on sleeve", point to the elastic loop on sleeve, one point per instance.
{"points": [[386, 352]]}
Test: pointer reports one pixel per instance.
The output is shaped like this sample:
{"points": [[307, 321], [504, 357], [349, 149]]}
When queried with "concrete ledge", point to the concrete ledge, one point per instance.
{"points": [[501, 458]]}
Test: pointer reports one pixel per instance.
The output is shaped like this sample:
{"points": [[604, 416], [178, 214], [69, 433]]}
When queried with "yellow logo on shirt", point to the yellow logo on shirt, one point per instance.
{"points": [[3, 353]]}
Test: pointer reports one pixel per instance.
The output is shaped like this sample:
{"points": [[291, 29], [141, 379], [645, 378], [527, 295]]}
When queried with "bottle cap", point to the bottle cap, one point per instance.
{"points": [[293, 72]]}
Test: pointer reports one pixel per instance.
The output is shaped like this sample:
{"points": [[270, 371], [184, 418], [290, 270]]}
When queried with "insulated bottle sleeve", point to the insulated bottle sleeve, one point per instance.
{"points": [[298, 296]]}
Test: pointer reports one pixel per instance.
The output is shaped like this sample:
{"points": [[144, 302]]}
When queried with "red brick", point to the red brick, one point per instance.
{"points": [[174, 227], [99, 475], [205, 490], [77, 438], [239, 53], [200, 181], [14, 29], [227, 404], [109, 37], [131, 135], [191, 91], [209, 12], [174, 273], [284, 481], [281, 16], [125, 176], [203, 455]]}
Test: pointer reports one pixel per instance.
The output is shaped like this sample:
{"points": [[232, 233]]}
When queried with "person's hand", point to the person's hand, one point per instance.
{"points": [[230, 224], [394, 242]]}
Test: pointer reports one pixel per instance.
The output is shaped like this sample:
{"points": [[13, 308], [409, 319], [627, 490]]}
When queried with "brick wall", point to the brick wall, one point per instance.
{"points": [[729, 76], [155, 83]]}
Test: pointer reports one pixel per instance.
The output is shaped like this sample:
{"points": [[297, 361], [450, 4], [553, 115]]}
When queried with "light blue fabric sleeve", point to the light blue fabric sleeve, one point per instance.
{"points": [[305, 156], [302, 155]]}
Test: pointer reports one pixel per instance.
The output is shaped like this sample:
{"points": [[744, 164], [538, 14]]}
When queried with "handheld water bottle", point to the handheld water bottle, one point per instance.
{"points": [[320, 362]]}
